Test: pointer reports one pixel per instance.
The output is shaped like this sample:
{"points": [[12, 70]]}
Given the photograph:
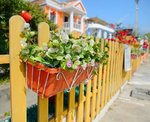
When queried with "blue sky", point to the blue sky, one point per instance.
{"points": [[115, 11]]}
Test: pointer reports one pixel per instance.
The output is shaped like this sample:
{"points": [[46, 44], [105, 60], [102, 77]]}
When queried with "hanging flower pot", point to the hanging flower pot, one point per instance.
{"points": [[47, 82], [73, 60]]}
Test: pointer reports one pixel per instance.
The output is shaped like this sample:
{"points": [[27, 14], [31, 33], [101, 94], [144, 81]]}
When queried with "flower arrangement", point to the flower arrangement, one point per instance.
{"points": [[62, 50], [61, 63], [124, 38]]}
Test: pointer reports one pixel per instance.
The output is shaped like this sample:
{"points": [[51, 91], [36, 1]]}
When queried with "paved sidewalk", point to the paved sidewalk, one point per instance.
{"points": [[5, 99], [130, 109]]}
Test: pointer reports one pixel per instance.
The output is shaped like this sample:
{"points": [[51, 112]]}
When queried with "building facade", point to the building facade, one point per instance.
{"points": [[99, 28], [69, 15]]}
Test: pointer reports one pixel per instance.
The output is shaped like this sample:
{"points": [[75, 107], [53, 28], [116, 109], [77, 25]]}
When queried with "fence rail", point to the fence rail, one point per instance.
{"points": [[4, 59], [83, 104]]}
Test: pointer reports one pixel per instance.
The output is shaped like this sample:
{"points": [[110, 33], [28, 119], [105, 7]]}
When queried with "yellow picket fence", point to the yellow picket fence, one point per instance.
{"points": [[99, 90]]}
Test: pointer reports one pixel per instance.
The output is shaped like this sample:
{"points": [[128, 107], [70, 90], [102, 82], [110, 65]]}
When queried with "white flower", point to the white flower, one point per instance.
{"points": [[76, 48], [64, 37], [52, 50], [27, 25], [32, 33], [92, 42], [86, 48], [92, 62], [78, 57], [23, 44], [84, 43], [84, 65], [73, 41], [68, 56]]}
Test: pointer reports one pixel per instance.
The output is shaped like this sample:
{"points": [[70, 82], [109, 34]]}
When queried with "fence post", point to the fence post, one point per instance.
{"points": [[43, 37], [17, 71]]}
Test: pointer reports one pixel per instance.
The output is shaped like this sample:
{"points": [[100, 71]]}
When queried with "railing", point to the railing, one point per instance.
{"points": [[77, 26], [66, 25], [83, 105]]}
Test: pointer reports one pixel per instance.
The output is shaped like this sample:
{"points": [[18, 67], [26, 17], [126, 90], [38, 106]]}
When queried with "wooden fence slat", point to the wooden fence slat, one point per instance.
{"points": [[87, 102], [117, 61], [93, 112], [104, 82], [119, 68], [110, 66], [4, 59], [80, 112], [116, 69], [121, 62], [113, 73], [59, 107], [17, 71], [99, 88], [111, 70], [71, 110], [43, 29], [108, 73]]}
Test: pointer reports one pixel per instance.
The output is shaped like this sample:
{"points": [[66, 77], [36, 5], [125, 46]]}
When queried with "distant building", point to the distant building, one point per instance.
{"points": [[99, 28], [67, 14]]}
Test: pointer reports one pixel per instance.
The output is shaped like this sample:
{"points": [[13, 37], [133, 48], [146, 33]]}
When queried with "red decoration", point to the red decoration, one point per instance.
{"points": [[26, 15]]}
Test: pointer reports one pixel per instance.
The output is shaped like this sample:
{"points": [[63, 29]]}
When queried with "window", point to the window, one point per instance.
{"points": [[53, 16], [66, 19]]}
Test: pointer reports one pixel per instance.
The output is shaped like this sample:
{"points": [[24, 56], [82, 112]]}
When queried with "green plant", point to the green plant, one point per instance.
{"points": [[62, 51], [9, 8]]}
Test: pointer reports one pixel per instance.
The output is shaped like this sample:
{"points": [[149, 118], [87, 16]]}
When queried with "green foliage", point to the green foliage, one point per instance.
{"points": [[62, 50], [9, 8]]}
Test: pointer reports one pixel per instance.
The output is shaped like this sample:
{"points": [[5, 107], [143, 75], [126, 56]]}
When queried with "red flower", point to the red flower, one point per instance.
{"points": [[112, 39], [128, 42]]}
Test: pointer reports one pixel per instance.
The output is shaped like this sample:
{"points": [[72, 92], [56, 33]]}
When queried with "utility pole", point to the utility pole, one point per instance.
{"points": [[137, 8]]}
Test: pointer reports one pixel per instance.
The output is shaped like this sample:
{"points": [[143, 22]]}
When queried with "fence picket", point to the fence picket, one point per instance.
{"points": [[104, 80], [108, 73], [43, 28], [111, 70], [17, 71], [99, 89], [94, 82], [87, 102], [59, 107], [71, 109], [80, 112]]}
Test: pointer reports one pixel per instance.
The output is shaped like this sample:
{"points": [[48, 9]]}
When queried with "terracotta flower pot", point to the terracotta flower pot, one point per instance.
{"points": [[47, 82]]}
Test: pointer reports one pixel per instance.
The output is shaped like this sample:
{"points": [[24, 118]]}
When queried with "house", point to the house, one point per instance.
{"points": [[99, 28], [67, 14]]}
